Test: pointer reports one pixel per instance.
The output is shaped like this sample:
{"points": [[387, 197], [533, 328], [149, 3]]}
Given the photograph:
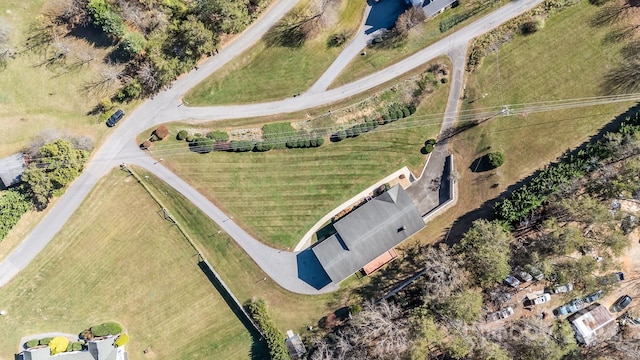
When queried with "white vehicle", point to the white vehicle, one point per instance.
{"points": [[544, 298], [501, 314]]}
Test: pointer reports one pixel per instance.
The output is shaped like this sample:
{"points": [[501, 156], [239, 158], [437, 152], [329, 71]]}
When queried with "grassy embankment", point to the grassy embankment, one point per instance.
{"points": [[266, 72], [138, 270]]}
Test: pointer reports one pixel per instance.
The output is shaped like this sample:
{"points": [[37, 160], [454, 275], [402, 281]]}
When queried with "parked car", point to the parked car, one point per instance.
{"points": [[511, 281], [569, 308], [593, 296], [621, 303], [538, 300], [501, 314], [559, 289], [523, 275], [612, 278], [537, 274], [115, 117]]}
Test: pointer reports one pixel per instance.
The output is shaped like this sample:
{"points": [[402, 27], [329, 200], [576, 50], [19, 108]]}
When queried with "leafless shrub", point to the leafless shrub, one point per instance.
{"points": [[147, 77], [70, 12], [408, 19], [108, 79], [443, 274]]}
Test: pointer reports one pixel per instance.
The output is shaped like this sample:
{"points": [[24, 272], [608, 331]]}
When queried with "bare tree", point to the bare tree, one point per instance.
{"points": [[408, 19], [71, 12], [147, 77], [5, 35], [443, 274], [110, 77]]}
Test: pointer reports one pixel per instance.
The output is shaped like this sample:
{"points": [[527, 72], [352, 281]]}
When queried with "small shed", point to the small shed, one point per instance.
{"points": [[295, 346], [593, 324], [11, 169]]}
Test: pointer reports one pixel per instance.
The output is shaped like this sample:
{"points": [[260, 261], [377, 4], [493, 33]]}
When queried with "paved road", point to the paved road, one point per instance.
{"points": [[281, 266], [430, 191]]}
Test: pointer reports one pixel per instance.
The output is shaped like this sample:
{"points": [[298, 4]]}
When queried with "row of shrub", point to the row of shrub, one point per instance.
{"points": [[104, 329], [393, 113], [72, 346], [12, 206], [216, 136], [528, 198], [273, 336]]}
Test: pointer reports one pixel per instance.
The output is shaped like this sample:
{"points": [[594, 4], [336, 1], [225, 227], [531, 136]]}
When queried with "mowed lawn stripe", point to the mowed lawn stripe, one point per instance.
{"points": [[117, 259]]}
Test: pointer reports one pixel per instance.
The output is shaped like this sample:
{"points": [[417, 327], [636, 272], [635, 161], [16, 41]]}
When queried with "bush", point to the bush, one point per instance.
{"points": [[162, 132], [76, 346], [241, 145], [182, 134], [496, 159], [122, 340], [262, 146], [349, 132], [531, 27], [386, 119], [273, 336], [338, 39], [189, 138], [218, 136], [108, 328], [430, 142], [130, 91], [355, 131], [428, 148], [12, 206], [146, 145], [354, 309], [32, 343], [412, 108], [201, 145], [339, 136], [58, 345], [133, 43], [319, 141], [393, 116], [405, 112], [45, 341]]}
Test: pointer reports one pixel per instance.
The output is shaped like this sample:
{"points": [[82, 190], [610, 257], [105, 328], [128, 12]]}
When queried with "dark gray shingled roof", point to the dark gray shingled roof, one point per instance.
{"points": [[367, 232]]}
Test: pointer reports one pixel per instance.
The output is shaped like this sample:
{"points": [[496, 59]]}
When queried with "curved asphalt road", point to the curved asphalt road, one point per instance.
{"points": [[281, 266]]}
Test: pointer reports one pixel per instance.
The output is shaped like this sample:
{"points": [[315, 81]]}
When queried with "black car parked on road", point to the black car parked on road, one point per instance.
{"points": [[113, 119]]}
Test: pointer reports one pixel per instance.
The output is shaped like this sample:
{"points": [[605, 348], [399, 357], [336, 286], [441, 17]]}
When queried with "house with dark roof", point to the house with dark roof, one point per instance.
{"points": [[593, 324], [97, 349], [11, 169], [367, 233]]}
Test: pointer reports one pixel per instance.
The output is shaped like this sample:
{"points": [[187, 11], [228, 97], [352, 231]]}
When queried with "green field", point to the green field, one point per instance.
{"points": [[273, 72], [138, 270], [242, 275], [421, 36], [531, 69], [278, 195]]}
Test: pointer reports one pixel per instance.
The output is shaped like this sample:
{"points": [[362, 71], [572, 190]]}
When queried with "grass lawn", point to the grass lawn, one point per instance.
{"points": [[274, 72], [36, 97], [532, 69], [242, 275], [137, 270], [278, 195], [419, 37]]}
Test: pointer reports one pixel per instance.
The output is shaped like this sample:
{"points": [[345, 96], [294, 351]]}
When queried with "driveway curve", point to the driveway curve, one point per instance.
{"points": [[120, 147]]}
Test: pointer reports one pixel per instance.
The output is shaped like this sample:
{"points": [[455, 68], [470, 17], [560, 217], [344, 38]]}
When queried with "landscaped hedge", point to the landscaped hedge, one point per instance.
{"points": [[32, 343], [218, 136], [278, 134], [527, 199], [108, 328], [275, 339], [394, 112], [12, 206], [76, 346]]}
